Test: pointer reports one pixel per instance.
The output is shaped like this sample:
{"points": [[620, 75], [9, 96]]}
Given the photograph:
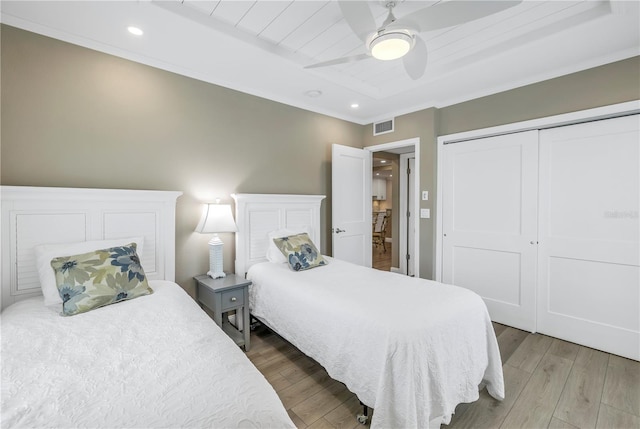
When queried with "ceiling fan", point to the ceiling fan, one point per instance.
{"points": [[399, 38]]}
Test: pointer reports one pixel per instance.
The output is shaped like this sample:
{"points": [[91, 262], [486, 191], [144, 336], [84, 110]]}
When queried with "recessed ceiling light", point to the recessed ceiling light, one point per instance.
{"points": [[313, 93], [383, 161], [355, 105], [135, 31]]}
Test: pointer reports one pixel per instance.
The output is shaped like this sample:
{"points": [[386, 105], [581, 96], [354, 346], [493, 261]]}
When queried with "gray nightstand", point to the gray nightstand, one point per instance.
{"points": [[224, 295]]}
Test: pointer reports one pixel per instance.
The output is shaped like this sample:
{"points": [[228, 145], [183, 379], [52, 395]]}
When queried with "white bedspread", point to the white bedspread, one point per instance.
{"points": [[410, 348], [155, 361]]}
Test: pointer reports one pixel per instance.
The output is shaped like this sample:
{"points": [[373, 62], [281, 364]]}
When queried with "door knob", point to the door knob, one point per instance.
{"points": [[338, 230]]}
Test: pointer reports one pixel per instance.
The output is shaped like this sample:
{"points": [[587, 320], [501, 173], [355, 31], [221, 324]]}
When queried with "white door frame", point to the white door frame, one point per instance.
{"points": [[415, 142], [403, 242], [621, 109]]}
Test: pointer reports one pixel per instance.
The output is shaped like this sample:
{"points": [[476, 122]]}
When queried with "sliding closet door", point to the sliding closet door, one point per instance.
{"points": [[489, 223], [589, 275]]}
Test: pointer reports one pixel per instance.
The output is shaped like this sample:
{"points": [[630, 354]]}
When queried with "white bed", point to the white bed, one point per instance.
{"points": [[153, 361], [410, 348]]}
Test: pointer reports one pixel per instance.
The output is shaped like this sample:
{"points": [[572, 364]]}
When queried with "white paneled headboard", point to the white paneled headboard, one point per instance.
{"points": [[34, 215], [258, 214]]}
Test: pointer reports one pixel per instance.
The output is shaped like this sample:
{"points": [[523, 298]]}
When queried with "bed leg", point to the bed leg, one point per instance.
{"points": [[253, 322], [364, 417]]}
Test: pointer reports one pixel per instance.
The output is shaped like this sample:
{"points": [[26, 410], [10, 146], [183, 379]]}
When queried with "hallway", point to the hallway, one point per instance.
{"points": [[381, 260]]}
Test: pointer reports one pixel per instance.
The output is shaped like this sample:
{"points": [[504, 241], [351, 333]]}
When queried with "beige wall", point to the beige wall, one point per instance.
{"points": [[79, 118], [75, 117], [601, 86], [613, 83], [420, 124]]}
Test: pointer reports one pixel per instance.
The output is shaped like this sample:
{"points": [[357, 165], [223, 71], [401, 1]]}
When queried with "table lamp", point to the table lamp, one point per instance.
{"points": [[216, 218]]}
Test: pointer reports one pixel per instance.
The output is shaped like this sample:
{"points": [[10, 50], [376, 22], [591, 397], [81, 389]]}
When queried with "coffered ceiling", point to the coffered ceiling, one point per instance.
{"points": [[262, 47]]}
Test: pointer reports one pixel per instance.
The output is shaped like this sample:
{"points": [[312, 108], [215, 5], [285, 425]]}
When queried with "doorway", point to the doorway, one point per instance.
{"points": [[384, 191], [397, 164]]}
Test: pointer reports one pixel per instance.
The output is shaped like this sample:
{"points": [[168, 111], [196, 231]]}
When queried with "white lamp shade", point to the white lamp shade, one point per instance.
{"points": [[216, 218]]}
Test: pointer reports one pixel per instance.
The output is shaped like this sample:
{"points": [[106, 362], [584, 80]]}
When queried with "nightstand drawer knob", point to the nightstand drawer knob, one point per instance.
{"points": [[234, 299]]}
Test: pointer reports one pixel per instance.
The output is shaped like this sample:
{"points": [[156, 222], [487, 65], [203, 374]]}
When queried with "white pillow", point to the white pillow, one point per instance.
{"points": [[46, 252], [273, 253]]}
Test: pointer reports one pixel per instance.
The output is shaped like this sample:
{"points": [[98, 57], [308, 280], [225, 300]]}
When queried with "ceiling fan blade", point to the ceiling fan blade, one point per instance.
{"points": [[415, 62], [359, 17], [343, 60], [451, 13]]}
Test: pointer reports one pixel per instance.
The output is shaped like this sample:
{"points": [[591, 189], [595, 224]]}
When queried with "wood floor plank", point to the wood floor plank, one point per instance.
{"points": [[296, 420], [488, 412], [257, 346], [344, 415], [302, 368], [277, 364], [583, 389], [278, 382], [498, 328], [380, 259], [322, 403], [281, 347], [621, 389], [535, 405], [509, 340], [609, 418], [303, 389], [559, 424], [564, 349], [263, 358], [530, 352], [321, 423]]}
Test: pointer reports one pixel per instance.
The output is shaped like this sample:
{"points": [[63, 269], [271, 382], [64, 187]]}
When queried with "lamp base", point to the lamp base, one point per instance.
{"points": [[215, 258], [217, 275]]}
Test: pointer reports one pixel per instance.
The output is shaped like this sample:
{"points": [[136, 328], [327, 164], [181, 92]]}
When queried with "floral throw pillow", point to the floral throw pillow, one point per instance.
{"points": [[300, 252], [95, 279]]}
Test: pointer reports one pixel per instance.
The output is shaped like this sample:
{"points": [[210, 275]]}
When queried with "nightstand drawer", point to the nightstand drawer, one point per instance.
{"points": [[232, 298]]}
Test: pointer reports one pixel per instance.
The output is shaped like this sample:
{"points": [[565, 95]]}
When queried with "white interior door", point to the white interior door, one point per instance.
{"points": [[489, 221], [589, 269], [351, 204]]}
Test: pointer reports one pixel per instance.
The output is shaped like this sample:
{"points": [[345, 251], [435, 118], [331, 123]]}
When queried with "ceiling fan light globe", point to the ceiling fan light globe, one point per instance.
{"points": [[391, 46]]}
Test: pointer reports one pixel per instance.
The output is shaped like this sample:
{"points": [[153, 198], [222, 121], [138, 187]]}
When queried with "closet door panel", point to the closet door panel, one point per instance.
{"points": [[589, 259], [489, 223]]}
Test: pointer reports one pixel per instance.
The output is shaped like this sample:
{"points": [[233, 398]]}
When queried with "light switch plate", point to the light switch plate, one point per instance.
{"points": [[425, 195], [425, 213]]}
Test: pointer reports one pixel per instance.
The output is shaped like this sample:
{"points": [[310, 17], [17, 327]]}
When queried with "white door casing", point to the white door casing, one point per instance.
{"points": [[489, 222], [351, 204], [589, 257], [408, 204], [413, 145], [412, 204]]}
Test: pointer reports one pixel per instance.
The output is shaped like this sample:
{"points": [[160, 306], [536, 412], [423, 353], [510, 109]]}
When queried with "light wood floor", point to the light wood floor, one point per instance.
{"points": [[550, 383], [381, 258]]}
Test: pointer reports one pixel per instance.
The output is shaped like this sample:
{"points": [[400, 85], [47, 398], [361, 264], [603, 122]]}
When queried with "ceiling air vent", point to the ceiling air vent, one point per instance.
{"points": [[383, 127]]}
